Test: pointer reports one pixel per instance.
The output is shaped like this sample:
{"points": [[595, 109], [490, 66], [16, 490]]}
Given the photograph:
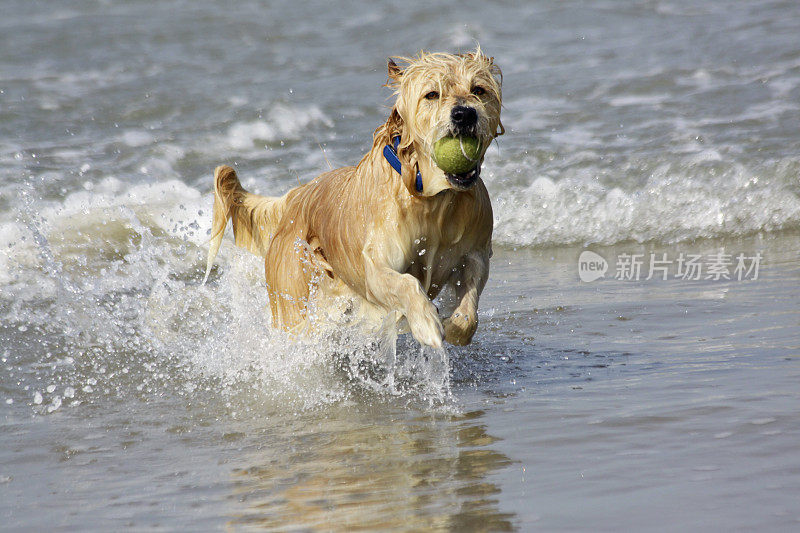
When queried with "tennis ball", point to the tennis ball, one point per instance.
{"points": [[457, 155]]}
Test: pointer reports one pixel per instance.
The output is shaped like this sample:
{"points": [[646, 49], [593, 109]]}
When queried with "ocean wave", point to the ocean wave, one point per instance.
{"points": [[282, 123], [698, 196], [113, 272]]}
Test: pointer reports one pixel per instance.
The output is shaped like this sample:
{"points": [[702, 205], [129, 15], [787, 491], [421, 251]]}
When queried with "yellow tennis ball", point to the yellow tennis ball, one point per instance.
{"points": [[457, 155]]}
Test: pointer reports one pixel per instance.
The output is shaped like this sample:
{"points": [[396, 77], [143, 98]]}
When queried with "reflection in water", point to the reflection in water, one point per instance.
{"points": [[355, 472]]}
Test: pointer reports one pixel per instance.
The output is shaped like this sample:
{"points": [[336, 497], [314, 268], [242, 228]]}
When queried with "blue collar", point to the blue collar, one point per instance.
{"points": [[390, 153]]}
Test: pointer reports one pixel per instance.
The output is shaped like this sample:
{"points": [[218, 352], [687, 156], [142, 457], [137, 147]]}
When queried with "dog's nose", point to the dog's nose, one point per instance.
{"points": [[463, 116]]}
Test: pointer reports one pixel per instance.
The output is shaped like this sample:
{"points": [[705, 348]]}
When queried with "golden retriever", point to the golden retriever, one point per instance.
{"points": [[387, 238]]}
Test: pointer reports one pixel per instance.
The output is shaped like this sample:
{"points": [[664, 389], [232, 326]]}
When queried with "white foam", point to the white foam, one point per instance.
{"points": [[543, 187], [701, 197], [639, 100], [139, 246], [282, 123], [89, 225], [224, 330], [137, 138]]}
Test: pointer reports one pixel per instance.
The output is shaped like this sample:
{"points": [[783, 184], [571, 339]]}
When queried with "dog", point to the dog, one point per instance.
{"points": [[393, 230]]}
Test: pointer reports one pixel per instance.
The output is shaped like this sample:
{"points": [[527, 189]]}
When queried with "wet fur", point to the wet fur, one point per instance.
{"points": [[365, 231]]}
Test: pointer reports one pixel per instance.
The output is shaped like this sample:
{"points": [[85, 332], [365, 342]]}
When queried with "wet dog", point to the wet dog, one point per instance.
{"points": [[392, 231]]}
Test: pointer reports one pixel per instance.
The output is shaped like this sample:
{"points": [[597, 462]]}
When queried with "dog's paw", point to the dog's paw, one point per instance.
{"points": [[459, 328], [426, 326]]}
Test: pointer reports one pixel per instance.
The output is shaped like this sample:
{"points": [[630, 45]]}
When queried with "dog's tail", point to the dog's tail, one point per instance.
{"points": [[253, 217]]}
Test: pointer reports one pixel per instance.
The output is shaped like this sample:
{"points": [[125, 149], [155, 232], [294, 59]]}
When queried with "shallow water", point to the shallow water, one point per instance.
{"points": [[132, 396]]}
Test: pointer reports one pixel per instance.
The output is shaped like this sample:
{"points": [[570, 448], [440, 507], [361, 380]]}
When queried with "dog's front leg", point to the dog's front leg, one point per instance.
{"points": [[468, 283], [395, 291]]}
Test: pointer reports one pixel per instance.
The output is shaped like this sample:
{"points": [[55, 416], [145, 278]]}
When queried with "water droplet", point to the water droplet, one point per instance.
{"points": [[55, 405]]}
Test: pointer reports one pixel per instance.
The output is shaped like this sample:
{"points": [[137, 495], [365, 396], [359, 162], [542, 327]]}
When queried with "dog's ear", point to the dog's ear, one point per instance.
{"points": [[394, 71], [394, 125]]}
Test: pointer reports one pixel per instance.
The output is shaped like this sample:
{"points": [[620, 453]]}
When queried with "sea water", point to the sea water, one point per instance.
{"points": [[132, 396]]}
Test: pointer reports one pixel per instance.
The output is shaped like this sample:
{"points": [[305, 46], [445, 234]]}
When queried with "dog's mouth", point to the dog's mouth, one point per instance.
{"points": [[465, 180]]}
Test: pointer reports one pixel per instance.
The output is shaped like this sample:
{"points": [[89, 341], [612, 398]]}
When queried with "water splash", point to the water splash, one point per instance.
{"points": [[106, 303]]}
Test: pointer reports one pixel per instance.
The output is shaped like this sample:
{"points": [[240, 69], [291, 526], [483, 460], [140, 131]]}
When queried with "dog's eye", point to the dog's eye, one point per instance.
{"points": [[433, 95], [478, 90]]}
